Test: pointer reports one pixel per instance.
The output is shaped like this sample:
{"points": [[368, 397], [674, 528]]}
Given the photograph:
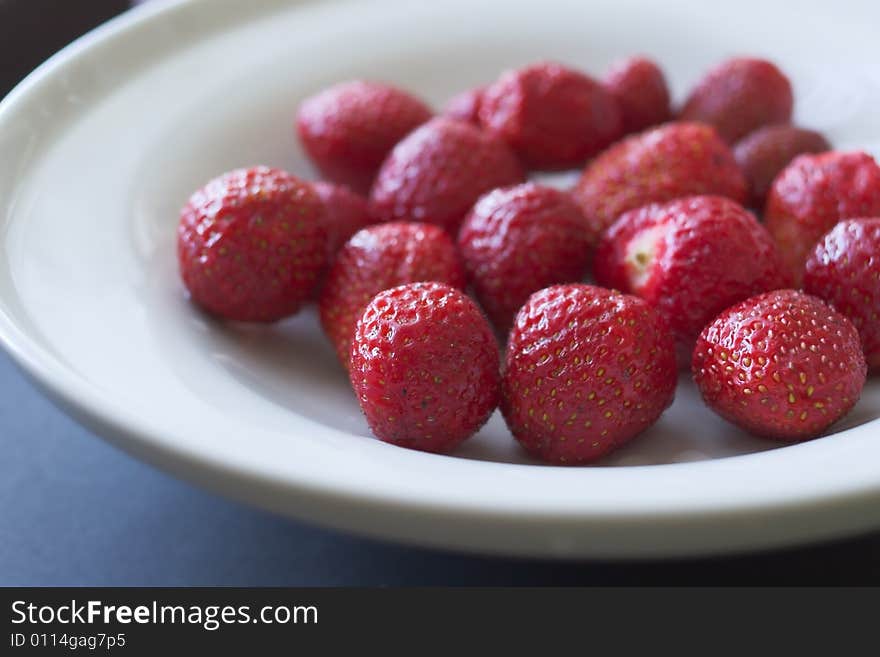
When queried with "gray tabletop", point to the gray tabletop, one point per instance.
{"points": [[75, 511]]}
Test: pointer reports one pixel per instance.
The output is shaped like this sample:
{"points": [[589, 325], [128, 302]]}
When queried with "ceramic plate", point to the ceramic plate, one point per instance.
{"points": [[103, 144]]}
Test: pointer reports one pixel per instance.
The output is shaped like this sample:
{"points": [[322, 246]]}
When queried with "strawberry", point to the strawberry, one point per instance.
{"points": [[377, 258], [552, 116], [251, 244], [768, 150], [439, 171], [782, 365], [639, 86], [844, 271], [424, 366], [813, 193], [739, 96], [465, 106], [349, 129], [661, 164], [586, 370], [689, 259], [517, 240], [345, 213]]}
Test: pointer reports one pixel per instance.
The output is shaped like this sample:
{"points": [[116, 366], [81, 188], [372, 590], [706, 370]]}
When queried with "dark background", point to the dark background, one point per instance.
{"points": [[75, 511]]}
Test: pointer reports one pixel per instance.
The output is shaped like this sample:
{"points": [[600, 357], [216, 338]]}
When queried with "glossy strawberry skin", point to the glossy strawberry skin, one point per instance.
{"points": [[251, 244], [439, 171], [662, 164], [349, 129], [812, 194], [844, 271], [465, 106], [518, 240], [689, 259], [424, 366], [375, 259], [639, 86], [586, 370], [739, 96], [782, 365], [552, 116], [765, 152]]}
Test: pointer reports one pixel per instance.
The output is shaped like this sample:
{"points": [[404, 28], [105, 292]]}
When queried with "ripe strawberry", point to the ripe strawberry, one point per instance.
{"points": [[768, 150], [375, 259], [437, 173], [781, 365], [518, 240], [639, 87], [251, 244], [812, 194], [689, 259], [586, 370], [739, 96], [348, 129], [662, 164], [844, 271], [552, 116], [465, 106], [424, 366], [345, 214]]}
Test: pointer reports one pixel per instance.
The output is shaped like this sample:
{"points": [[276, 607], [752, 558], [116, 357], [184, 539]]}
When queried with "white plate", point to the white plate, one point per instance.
{"points": [[101, 146]]}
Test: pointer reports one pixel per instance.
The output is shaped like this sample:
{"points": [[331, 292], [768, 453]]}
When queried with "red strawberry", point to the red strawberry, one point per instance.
{"points": [[552, 116], [662, 164], [518, 240], [739, 96], [465, 106], [813, 193], [251, 244], [586, 370], [349, 129], [640, 88], [375, 259], [345, 214], [439, 171], [781, 365], [844, 271], [424, 366], [690, 259], [768, 150]]}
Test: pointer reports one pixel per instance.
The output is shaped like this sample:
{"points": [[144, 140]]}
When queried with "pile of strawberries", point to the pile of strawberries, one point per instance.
{"points": [[776, 318]]}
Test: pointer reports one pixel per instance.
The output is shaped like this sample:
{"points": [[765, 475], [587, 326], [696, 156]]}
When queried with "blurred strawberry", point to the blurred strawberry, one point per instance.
{"points": [[552, 116], [672, 161], [349, 129], [439, 171], [739, 96], [639, 86]]}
